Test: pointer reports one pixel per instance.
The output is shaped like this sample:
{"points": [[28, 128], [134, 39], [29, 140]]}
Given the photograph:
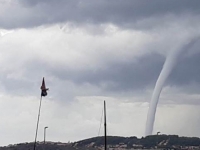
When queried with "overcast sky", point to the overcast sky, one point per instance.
{"points": [[90, 51]]}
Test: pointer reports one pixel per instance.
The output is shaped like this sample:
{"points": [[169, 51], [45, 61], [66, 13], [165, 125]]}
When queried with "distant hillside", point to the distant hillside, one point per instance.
{"points": [[115, 142], [153, 141]]}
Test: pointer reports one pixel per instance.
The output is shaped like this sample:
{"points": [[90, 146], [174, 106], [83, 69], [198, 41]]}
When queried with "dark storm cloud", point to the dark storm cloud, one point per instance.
{"points": [[186, 71], [35, 13], [116, 77], [135, 75], [19, 87]]}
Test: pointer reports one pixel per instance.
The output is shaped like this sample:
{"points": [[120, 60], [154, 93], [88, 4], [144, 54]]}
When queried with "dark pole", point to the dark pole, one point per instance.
{"points": [[37, 124], [105, 134], [157, 139], [45, 133]]}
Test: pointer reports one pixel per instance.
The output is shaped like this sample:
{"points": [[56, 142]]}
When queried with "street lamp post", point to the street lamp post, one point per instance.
{"points": [[45, 133], [157, 139]]}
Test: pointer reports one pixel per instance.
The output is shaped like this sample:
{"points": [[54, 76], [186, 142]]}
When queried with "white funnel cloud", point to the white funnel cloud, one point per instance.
{"points": [[165, 72]]}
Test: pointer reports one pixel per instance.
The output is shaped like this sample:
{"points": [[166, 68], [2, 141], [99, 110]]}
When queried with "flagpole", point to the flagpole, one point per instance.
{"points": [[105, 131], [37, 124]]}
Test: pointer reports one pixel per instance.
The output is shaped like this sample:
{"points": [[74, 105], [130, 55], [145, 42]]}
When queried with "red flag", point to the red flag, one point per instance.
{"points": [[43, 88]]}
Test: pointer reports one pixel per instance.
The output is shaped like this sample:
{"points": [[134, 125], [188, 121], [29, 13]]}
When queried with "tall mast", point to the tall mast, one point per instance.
{"points": [[105, 134], [43, 93]]}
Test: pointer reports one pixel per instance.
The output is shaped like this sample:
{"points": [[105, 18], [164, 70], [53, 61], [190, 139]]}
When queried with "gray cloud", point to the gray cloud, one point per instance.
{"points": [[186, 71], [136, 76], [133, 75], [123, 13], [115, 78]]}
